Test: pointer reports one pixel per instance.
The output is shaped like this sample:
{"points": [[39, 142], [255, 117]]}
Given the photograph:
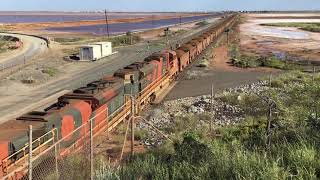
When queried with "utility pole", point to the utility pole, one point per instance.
{"points": [[107, 22], [180, 20]]}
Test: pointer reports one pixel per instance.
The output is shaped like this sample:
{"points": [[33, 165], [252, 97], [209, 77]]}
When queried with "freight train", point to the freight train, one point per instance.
{"points": [[105, 101]]}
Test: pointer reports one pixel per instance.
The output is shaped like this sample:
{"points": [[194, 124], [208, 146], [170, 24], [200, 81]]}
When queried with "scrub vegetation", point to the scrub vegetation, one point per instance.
{"points": [[202, 23], [312, 27], [239, 59], [50, 71], [289, 149], [6, 44], [123, 40]]}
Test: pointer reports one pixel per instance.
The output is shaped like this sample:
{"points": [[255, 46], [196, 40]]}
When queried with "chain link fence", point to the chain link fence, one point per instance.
{"points": [[71, 157]]}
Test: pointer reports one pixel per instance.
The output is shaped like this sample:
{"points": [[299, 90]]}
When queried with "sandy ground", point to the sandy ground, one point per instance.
{"points": [[280, 41]]}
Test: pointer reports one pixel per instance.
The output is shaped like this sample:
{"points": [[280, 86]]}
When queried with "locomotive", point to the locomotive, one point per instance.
{"points": [[104, 100]]}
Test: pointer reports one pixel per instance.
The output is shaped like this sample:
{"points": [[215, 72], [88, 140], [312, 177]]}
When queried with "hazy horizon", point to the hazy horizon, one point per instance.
{"points": [[160, 6]]}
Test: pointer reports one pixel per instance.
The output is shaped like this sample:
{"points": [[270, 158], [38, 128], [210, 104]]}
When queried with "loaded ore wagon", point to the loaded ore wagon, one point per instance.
{"points": [[103, 103]]}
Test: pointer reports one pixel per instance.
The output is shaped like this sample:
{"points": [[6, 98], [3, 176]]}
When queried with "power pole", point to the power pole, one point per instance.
{"points": [[107, 22]]}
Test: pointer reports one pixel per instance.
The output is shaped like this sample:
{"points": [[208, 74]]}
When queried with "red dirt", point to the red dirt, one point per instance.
{"points": [[109, 145], [221, 61]]}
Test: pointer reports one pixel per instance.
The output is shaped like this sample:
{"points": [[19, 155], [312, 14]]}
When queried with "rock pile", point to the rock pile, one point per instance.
{"points": [[224, 114]]}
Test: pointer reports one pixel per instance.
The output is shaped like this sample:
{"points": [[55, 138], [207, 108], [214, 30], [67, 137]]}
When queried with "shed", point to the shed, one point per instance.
{"points": [[90, 52], [105, 47]]}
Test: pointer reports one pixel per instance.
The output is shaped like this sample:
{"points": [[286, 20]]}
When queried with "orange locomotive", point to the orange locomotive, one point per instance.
{"points": [[104, 100]]}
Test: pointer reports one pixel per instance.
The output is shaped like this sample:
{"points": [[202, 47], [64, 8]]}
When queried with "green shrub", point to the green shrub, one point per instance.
{"points": [[277, 84], [204, 63], [230, 98], [68, 40], [50, 71], [140, 134], [202, 23], [125, 40], [245, 61], [240, 152]]}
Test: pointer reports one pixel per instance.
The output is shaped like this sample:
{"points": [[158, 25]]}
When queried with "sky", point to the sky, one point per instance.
{"points": [[157, 5]]}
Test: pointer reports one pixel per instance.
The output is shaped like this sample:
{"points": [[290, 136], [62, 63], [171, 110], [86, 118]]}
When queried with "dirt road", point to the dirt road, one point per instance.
{"points": [[32, 46], [15, 96]]}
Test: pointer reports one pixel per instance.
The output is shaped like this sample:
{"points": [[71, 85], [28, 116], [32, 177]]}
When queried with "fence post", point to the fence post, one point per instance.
{"points": [[30, 153], [133, 109], [211, 109], [91, 150], [56, 160]]}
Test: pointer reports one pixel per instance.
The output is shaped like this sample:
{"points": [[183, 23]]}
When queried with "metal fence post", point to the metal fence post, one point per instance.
{"points": [[56, 160], [91, 150], [30, 153], [133, 109]]}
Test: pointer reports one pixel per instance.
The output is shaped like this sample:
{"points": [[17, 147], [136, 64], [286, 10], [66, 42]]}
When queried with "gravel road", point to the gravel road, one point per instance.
{"points": [[104, 67], [32, 46]]}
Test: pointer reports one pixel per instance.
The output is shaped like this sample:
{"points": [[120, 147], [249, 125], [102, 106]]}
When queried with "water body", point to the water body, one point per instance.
{"points": [[120, 28], [11, 19]]}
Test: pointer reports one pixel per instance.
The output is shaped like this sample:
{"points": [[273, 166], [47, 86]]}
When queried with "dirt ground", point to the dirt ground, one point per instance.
{"points": [[220, 74], [293, 43], [109, 145], [52, 74]]}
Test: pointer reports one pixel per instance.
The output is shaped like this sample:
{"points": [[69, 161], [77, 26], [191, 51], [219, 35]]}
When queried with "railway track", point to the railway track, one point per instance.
{"points": [[104, 104], [126, 56]]}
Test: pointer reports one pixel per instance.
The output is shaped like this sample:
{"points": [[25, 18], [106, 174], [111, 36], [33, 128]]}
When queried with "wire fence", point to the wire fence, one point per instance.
{"points": [[70, 157], [8, 68]]}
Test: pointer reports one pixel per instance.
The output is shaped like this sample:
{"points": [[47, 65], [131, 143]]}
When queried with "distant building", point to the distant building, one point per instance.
{"points": [[106, 48], [95, 51]]}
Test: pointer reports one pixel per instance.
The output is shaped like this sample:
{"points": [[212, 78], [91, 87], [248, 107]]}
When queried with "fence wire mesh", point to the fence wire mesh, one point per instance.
{"points": [[71, 157]]}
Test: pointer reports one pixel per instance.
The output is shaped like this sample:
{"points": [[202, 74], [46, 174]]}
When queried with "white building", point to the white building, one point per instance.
{"points": [[95, 51], [106, 48], [90, 52]]}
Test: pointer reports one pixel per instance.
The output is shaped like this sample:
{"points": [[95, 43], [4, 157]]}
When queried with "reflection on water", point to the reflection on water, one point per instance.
{"points": [[125, 27], [58, 18]]}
